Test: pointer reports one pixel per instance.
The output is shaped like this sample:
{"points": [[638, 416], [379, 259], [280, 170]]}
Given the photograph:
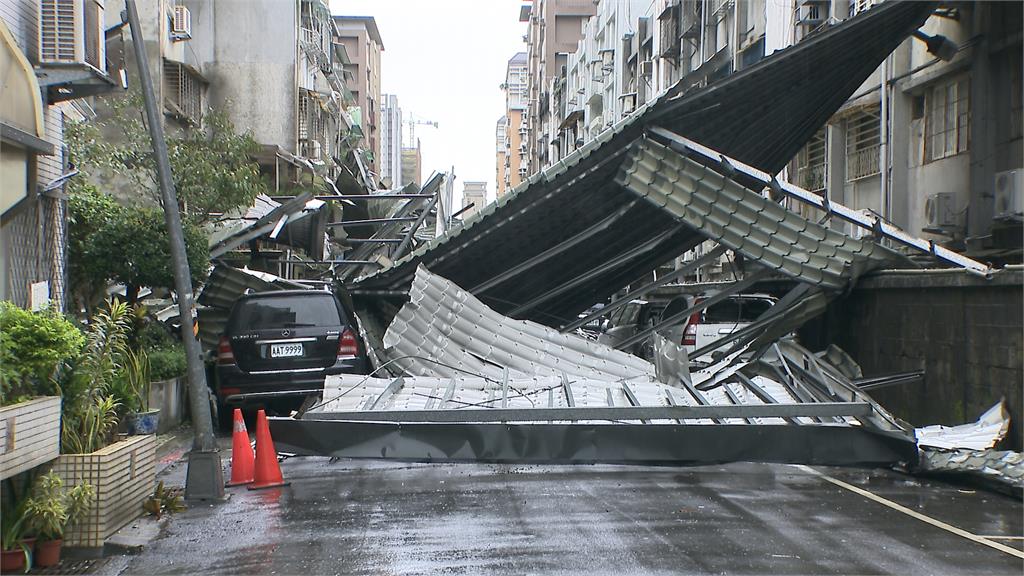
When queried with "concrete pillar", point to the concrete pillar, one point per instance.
{"points": [[983, 130], [835, 176], [900, 119]]}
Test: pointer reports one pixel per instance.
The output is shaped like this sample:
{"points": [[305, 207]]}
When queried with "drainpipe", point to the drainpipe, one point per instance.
{"points": [[883, 138], [735, 35], [703, 29]]}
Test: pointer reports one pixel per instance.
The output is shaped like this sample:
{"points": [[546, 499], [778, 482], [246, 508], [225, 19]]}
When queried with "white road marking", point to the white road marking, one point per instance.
{"points": [[986, 540]]}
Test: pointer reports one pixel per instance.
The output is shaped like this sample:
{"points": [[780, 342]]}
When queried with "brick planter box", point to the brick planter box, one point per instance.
{"points": [[29, 435], [123, 474]]}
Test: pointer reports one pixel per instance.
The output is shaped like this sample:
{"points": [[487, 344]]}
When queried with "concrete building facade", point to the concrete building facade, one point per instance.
{"points": [[391, 142], [554, 27], [511, 136], [361, 39], [940, 155], [48, 71], [412, 165], [474, 198]]}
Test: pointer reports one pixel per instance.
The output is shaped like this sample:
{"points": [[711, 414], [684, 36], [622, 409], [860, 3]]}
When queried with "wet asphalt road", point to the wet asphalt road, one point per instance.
{"points": [[369, 517]]}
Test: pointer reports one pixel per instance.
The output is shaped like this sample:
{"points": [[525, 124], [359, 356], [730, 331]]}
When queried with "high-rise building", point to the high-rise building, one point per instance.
{"points": [[412, 165], [474, 198], [555, 27], [391, 142], [501, 147], [361, 39], [513, 152]]}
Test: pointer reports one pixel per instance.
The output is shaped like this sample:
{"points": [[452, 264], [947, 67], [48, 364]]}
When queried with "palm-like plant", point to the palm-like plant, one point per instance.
{"points": [[90, 411]]}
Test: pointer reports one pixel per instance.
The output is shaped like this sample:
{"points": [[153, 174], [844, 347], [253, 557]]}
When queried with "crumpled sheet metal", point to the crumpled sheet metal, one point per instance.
{"points": [[990, 428], [1002, 466], [762, 230], [444, 323]]}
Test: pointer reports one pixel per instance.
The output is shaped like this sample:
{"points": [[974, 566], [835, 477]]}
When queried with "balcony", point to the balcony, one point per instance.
{"points": [[812, 177], [862, 163]]}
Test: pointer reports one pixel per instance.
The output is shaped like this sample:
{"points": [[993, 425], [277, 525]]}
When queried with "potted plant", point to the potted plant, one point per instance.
{"points": [[50, 509], [15, 543], [136, 380]]}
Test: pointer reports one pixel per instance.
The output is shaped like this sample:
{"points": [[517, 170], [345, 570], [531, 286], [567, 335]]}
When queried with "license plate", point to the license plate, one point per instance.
{"points": [[285, 350]]}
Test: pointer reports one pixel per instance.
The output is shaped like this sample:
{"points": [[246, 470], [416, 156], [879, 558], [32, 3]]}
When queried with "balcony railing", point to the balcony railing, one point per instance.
{"points": [[812, 177], [862, 163]]}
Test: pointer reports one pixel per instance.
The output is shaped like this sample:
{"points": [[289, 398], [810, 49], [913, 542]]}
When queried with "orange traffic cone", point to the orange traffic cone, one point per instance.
{"points": [[268, 472], [241, 453]]}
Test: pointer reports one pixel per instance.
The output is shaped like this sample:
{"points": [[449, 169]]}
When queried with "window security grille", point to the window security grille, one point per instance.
{"points": [[183, 94], [947, 120], [862, 145]]}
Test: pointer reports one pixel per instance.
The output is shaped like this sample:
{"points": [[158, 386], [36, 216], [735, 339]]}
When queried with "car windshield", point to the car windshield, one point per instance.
{"points": [[286, 312]]}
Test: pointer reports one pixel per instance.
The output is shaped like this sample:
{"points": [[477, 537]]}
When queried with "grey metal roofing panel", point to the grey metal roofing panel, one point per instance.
{"points": [[445, 331], [762, 230]]}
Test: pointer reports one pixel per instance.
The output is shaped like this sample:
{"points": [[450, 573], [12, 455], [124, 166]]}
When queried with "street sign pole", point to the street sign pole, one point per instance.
{"points": [[204, 480]]}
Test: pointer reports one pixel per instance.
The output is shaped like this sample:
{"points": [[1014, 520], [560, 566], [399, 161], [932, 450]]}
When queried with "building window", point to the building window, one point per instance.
{"points": [[183, 94], [947, 119], [813, 165], [862, 145]]}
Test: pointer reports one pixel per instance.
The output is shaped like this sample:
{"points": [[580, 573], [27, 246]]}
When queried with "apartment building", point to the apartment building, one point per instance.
{"points": [[554, 27], [412, 165], [361, 39], [47, 72], [939, 155], [512, 130], [474, 198], [391, 142]]}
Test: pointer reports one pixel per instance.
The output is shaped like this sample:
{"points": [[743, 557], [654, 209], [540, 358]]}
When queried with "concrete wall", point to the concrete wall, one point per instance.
{"points": [[966, 333], [252, 76]]}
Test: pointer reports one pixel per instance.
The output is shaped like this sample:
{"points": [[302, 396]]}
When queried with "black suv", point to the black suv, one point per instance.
{"points": [[285, 341]]}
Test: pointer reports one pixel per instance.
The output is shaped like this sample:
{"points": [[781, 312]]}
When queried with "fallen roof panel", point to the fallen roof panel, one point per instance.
{"points": [[762, 116]]}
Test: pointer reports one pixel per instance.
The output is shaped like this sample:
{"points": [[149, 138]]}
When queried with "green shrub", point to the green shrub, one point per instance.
{"points": [[33, 345], [167, 362]]}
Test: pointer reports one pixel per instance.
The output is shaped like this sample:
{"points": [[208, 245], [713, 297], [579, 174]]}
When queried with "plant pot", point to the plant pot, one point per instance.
{"points": [[143, 422], [47, 553], [12, 560]]}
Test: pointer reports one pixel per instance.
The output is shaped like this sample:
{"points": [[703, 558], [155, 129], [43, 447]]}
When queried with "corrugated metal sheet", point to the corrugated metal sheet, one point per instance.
{"points": [[445, 331], [762, 116], [760, 229]]}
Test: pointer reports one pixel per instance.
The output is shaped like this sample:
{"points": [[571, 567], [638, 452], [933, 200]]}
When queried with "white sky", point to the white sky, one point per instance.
{"points": [[445, 60]]}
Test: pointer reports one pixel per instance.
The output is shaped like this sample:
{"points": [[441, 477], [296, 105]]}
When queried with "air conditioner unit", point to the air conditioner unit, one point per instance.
{"points": [[71, 32], [181, 24], [940, 211], [1009, 193], [646, 68]]}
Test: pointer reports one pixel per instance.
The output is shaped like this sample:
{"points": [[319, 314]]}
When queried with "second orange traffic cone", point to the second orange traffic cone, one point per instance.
{"points": [[268, 471], [242, 459]]}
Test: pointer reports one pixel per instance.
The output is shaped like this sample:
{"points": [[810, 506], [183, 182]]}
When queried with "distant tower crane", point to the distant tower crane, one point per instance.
{"points": [[413, 122]]}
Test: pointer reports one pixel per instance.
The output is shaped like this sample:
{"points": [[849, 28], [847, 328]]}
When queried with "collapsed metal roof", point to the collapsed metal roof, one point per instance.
{"points": [[469, 383], [532, 253]]}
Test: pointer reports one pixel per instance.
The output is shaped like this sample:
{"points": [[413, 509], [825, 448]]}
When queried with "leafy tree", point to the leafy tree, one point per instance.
{"points": [[134, 249], [211, 164]]}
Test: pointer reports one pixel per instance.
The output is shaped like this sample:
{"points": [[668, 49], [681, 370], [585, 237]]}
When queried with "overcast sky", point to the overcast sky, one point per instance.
{"points": [[445, 60]]}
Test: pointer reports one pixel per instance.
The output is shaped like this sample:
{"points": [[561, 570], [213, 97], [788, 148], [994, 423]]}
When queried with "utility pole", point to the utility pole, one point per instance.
{"points": [[204, 480]]}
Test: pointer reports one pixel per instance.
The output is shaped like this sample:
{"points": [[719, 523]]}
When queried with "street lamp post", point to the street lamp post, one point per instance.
{"points": [[204, 480]]}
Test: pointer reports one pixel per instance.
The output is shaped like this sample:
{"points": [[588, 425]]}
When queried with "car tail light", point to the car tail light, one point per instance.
{"points": [[347, 346], [690, 332], [225, 355]]}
